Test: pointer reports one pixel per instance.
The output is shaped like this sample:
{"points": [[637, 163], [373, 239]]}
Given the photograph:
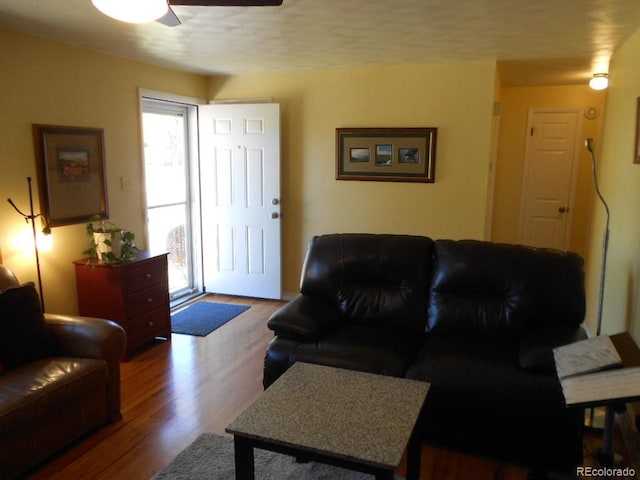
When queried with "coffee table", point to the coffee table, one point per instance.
{"points": [[355, 420]]}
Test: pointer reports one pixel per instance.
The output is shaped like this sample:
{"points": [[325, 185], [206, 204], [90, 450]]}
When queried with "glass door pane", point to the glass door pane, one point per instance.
{"points": [[167, 189]]}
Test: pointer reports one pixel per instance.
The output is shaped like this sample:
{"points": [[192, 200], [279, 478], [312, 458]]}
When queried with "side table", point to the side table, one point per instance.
{"points": [[611, 389]]}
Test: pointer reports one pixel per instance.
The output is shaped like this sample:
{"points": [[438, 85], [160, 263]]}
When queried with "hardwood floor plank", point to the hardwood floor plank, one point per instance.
{"points": [[174, 391]]}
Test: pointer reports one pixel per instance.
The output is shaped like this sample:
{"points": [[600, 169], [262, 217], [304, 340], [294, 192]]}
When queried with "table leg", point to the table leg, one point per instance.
{"points": [[385, 475], [243, 453], [609, 425], [414, 454]]}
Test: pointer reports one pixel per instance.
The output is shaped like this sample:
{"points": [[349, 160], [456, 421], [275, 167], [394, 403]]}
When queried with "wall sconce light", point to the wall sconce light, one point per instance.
{"points": [[600, 81], [31, 217], [139, 11]]}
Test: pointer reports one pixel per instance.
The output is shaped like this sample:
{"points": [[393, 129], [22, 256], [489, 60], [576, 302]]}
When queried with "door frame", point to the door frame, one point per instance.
{"points": [[574, 170], [194, 176]]}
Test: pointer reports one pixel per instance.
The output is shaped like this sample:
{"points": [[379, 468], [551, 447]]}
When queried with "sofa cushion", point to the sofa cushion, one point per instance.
{"points": [[361, 347], [469, 376], [24, 335], [480, 400], [44, 405], [25, 388], [372, 279], [499, 290]]}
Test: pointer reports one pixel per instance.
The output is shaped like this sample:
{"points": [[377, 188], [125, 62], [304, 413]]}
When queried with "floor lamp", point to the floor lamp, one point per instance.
{"points": [[31, 217], [605, 248], [605, 243]]}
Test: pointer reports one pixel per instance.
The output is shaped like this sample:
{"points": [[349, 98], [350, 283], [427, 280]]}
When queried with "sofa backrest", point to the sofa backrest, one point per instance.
{"points": [[374, 279], [7, 278], [498, 290]]}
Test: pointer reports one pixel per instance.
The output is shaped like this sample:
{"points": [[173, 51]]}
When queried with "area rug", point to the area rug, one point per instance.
{"points": [[210, 457], [202, 318]]}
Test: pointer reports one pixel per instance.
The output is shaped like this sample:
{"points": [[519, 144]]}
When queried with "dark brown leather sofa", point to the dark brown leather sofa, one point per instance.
{"points": [[477, 320], [59, 377]]}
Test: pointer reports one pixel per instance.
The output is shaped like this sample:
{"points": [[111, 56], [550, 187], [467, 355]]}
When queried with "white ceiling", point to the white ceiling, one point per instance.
{"points": [[535, 42]]}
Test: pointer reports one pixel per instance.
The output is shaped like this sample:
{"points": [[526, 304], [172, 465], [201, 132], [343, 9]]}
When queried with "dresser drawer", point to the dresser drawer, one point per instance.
{"points": [[147, 299], [147, 326], [144, 275]]}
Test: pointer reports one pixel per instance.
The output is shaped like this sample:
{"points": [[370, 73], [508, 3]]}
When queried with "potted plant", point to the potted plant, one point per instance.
{"points": [[108, 242]]}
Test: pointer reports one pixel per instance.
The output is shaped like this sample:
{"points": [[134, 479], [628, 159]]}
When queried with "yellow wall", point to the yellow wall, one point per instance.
{"points": [[45, 82], [49, 83], [455, 98], [620, 184], [516, 102]]}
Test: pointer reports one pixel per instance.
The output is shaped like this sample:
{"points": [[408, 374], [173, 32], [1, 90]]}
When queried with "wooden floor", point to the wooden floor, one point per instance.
{"points": [[174, 391]]}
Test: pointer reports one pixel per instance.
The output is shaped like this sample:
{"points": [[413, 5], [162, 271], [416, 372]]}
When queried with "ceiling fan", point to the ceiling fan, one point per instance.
{"points": [[148, 10], [171, 19]]}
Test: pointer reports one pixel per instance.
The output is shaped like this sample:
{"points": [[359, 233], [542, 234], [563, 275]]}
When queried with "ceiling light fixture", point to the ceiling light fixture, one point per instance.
{"points": [[600, 81], [132, 11]]}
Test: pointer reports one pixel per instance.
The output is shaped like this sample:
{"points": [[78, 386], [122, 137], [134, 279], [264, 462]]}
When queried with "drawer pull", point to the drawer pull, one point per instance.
{"points": [[147, 276], [149, 300], [151, 324]]}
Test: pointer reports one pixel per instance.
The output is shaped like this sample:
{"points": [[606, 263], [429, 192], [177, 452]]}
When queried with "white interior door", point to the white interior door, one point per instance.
{"points": [[240, 183], [549, 178]]}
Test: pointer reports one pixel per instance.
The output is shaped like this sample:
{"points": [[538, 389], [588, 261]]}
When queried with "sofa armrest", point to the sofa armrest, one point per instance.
{"points": [[88, 337], [537, 344], [305, 316]]}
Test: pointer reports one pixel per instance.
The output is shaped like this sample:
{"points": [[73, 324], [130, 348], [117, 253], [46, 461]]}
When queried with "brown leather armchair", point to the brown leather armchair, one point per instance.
{"points": [[48, 402]]}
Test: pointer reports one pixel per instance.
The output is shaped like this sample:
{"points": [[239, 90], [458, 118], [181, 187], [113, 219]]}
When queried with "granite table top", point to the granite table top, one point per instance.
{"points": [[347, 414]]}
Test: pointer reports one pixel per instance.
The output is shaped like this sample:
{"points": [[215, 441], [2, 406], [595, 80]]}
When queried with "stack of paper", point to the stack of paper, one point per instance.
{"points": [[587, 356], [590, 373]]}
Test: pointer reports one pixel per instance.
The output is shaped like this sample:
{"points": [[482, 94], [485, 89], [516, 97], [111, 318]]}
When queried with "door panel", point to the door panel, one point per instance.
{"points": [[240, 174], [548, 180]]}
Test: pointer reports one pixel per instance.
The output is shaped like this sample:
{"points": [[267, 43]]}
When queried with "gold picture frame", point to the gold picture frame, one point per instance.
{"points": [[71, 173], [386, 154]]}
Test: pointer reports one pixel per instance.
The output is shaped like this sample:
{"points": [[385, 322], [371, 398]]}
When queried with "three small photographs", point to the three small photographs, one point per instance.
{"points": [[386, 154]]}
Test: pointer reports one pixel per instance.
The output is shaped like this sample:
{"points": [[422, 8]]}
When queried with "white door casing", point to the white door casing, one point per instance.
{"points": [[549, 177], [240, 191]]}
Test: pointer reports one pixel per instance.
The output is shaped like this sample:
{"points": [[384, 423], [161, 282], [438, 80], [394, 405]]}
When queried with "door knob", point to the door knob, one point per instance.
{"points": [[275, 215], [275, 201], [563, 209]]}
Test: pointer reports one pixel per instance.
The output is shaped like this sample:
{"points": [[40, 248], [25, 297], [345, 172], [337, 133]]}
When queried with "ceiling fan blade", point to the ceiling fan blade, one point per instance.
{"points": [[227, 3], [170, 19]]}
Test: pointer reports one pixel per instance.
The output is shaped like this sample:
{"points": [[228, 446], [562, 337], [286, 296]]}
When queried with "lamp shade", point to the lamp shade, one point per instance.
{"points": [[600, 81], [132, 11]]}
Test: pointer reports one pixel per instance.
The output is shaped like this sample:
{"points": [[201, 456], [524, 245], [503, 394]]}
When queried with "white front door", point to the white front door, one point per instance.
{"points": [[240, 183], [549, 178]]}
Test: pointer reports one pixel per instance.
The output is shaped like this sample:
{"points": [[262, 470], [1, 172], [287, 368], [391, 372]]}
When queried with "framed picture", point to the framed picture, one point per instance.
{"points": [[636, 153], [386, 154], [71, 173]]}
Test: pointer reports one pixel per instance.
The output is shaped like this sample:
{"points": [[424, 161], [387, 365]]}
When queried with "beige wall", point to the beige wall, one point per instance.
{"points": [[45, 82], [455, 98], [516, 102], [620, 184]]}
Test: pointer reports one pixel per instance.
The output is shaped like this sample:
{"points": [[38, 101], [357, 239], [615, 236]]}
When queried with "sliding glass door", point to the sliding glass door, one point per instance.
{"points": [[168, 192]]}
